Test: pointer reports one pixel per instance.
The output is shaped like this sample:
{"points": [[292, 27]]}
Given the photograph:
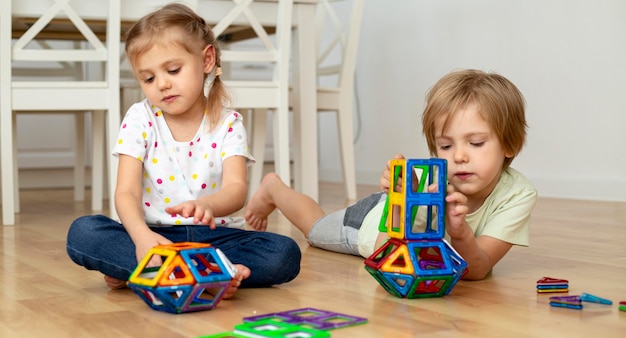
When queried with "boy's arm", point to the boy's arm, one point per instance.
{"points": [[481, 253], [380, 240]]}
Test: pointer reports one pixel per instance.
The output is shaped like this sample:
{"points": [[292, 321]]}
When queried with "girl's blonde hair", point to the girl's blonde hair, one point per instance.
{"points": [[498, 101], [164, 26]]}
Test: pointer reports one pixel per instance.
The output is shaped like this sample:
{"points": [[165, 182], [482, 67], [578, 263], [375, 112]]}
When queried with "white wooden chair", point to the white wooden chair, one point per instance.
{"points": [[336, 57], [101, 97], [61, 70], [274, 51]]}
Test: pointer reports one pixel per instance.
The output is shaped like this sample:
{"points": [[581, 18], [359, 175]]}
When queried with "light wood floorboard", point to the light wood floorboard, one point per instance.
{"points": [[44, 294]]}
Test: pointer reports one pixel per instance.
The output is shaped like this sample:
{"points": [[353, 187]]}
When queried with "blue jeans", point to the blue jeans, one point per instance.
{"points": [[100, 243]]}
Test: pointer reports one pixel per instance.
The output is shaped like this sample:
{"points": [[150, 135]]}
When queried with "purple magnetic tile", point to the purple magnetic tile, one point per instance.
{"points": [[565, 299], [566, 305], [317, 312], [280, 317], [425, 264], [316, 318], [328, 321]]}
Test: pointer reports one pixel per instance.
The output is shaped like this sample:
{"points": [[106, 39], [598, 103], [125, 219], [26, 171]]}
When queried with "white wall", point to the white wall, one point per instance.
{"points": [[568, 57]]}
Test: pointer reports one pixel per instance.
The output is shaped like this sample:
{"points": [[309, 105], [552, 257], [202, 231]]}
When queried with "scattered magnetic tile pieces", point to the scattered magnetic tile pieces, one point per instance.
{"points": [[570, 302], [576, 302], [585, 297], [305, 322], [268, 328], [273, 328], [310, 317], [622, 306], [552, 285]]}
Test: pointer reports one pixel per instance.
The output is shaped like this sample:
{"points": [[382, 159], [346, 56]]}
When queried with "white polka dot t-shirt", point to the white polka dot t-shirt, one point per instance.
{"points": [[175, 172]]}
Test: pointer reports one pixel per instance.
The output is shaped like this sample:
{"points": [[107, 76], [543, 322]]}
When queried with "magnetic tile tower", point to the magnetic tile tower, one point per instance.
{"points": [[416, 263], [192, 277]]}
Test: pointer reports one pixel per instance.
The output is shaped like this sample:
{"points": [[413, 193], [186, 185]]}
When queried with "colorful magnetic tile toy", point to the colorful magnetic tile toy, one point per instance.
{"points": [[310, 317], [268, 328], [271, 328], [552, 285], [622, 306], [576, 302], [585, 297], [301, 323], [570, 302], [192, 277], [416, 262]]}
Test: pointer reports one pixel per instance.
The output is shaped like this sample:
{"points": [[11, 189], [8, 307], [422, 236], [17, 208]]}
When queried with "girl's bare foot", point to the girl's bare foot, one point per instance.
{"points": [[261, 204], [242, 273], [114, 283]]}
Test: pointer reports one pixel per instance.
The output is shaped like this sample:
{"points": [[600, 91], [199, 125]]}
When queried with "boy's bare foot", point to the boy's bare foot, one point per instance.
{"points": [[242, 273], [114, 283], [261, 204]]}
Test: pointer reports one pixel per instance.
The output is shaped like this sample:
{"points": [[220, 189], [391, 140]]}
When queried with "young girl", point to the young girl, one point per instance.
{"points": [[182, 164], [476, 122]]}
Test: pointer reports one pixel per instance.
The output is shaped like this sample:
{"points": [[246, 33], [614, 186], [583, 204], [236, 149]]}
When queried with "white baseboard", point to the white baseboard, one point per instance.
{"points": [[57, 178], [362, 177], [582, 188]]}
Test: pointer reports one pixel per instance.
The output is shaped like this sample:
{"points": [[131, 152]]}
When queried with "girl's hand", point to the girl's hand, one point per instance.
{"points": [[148, 241], [201, 212], [385, 178]]}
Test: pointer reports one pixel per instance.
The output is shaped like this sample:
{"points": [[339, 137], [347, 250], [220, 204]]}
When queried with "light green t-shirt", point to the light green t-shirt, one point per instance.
{"points": [[504, 215]]}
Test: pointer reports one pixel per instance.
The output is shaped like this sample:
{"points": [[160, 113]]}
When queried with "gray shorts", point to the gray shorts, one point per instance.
{"points": [[339, 231]]}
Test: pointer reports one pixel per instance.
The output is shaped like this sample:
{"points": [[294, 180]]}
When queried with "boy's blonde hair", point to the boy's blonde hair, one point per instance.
{"points": [[498, 101], [178, 24]]}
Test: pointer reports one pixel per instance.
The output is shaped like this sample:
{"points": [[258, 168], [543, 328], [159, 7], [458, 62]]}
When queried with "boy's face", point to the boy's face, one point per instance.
{"points": [[474, 153], [172, 78]]}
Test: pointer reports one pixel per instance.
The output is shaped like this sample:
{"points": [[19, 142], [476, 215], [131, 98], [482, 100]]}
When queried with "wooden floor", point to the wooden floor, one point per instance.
{"points": [[43, 294]]}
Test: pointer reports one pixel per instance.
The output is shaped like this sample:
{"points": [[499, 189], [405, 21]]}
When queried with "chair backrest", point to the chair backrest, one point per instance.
{"points": [[132, 11], [245, 19], [91, 30], [337, 42]]}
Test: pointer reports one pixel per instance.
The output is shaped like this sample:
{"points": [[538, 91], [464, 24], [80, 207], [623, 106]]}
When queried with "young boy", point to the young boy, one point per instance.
{"points": [[476, 122]]}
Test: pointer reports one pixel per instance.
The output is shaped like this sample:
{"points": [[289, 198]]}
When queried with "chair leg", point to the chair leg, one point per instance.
{"points": [[16, 170], [259, 130], [8, 164], [97, 161], [79, 162], [345, 127], [112, 127], [281, 143]]}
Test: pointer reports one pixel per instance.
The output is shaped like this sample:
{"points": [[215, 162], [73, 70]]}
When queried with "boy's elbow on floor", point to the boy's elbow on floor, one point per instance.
{"points": [[476, 275]]}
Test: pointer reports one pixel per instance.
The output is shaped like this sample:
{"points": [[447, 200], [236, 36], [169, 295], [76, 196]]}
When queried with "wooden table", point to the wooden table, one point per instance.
{"points": [[63, 29]]}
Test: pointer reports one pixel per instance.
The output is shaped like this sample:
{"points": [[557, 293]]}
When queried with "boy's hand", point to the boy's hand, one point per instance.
{"points": [[201, 212], [385, 178], [456, 210]]}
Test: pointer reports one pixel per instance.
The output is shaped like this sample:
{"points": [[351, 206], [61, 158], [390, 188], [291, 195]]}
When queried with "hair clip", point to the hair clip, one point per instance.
{"points": [[218, 71]]}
